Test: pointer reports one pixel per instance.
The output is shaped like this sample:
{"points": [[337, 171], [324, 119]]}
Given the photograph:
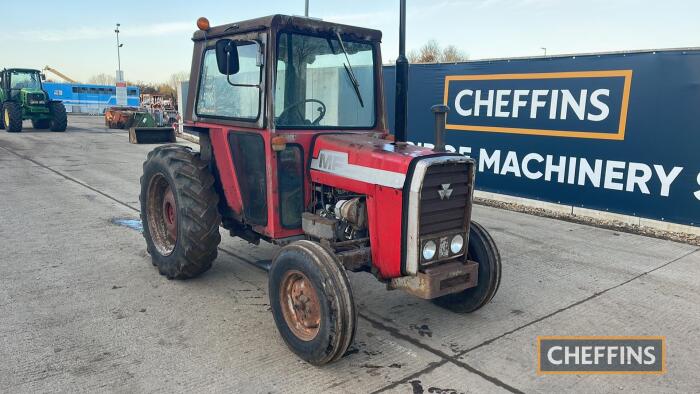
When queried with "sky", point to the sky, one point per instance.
{"points": [[77, 36]]}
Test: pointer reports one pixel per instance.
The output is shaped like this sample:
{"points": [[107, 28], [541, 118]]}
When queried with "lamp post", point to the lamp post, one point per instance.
{"points": [[306, 8], [119, 59], [545, 50]]}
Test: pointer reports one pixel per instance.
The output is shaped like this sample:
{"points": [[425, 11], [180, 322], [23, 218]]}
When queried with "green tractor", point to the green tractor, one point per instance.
{"points": [[23, 97]]}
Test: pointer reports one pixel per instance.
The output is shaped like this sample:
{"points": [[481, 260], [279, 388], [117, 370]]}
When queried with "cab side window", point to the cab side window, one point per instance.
{"points": [[217, 98]]}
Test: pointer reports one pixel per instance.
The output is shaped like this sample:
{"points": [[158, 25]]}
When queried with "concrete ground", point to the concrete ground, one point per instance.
{"points": [[83, 309]]}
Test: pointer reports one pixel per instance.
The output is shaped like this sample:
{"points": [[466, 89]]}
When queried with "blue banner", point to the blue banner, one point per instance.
{"points": [[613, 132]]}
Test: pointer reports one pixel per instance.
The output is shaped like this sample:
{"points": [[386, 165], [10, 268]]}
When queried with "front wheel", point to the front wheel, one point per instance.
{"points": [[12, 117], [59, 119], [483, 250], [312, 302], [179, 212]]}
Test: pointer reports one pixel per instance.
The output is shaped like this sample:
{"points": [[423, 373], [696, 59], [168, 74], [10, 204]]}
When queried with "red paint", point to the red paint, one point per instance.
{"points": [[384, 204]]}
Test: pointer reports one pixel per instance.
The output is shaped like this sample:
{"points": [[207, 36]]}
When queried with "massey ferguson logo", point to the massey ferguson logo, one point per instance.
{"points": [[445, 192]]}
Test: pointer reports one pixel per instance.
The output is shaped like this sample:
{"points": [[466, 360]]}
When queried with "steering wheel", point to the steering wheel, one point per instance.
{"points": [[298, 104]]}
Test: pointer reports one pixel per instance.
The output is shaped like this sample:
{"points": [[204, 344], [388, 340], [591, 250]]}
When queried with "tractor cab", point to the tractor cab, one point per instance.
{"points": [[280, 82], [23, 81], [23, 97], [287, 73], [294, 150]]}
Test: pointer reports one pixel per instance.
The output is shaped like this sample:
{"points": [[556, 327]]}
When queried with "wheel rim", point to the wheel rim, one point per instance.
{"points": [[7, 117], [162, 215], [300, 305]]}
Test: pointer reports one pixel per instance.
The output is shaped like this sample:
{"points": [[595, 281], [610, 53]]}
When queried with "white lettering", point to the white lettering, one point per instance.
{"points": [[612, 174], [458, 102], [637, 355], [585, 171], [568, 355], [650, 357], [697, 193], [560, 169], [568, 101], [536, 102], [586, 355], [601, 106], [489, 161], [517, 102], [465, 150], [638, 180], [511, 164], [553, 105], [666, 179], [572, 171], [500, 103], [598, 354], [479, 102], [526, 170], [550, 355], [612, 353]]}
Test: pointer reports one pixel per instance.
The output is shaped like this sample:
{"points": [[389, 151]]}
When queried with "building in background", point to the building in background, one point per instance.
{"points": [[89, 99]]}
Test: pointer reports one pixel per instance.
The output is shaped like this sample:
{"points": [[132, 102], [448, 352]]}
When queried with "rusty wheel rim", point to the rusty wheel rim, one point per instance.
{"points": [[300, 305], [162, 215]]}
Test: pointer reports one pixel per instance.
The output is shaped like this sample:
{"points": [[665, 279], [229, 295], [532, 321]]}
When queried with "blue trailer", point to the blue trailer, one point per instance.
{"points": [[90, 99]]}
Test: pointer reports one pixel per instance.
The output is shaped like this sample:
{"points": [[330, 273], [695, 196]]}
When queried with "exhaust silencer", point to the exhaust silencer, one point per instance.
{"points": [[440, 111]]}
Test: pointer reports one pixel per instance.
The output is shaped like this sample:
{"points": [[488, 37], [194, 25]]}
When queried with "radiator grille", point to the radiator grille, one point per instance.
{"points": [[445, 196]]}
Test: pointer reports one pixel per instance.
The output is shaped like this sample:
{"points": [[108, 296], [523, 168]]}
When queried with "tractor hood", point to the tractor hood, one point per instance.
{"points": [[33, 96], [365, 158]]}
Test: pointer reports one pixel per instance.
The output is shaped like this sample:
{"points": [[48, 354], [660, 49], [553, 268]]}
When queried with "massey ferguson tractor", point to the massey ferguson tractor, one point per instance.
{"points": [[23, 97], [295, 151]]}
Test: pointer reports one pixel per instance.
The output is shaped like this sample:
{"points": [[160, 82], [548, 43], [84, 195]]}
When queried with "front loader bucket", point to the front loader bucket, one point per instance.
{"points": [[151, 135]]}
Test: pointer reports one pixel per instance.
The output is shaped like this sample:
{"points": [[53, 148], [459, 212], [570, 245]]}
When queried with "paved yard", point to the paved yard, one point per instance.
{"points": [[83, 309]]}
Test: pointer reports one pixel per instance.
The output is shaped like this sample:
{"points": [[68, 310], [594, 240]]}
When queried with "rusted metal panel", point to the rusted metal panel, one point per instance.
{"points": [[317, 226], [440, 280], [356, 259]]}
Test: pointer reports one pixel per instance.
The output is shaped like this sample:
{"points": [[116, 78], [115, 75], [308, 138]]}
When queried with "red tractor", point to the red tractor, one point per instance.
{"points": [[295, 151]]}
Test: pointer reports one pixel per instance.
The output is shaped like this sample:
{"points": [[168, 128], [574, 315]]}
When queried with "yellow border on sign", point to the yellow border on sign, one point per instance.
{"points": [[606, 337], [619, 135]]}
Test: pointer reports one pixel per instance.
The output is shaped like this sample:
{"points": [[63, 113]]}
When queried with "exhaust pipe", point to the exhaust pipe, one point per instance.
{"points": [[440, 111], [401, 104]]}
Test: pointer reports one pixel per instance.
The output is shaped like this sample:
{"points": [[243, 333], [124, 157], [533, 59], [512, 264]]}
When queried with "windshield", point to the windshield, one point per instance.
{"points": [[25, 80], [317, 88]]}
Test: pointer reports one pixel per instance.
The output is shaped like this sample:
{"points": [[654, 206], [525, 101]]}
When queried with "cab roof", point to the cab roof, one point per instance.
{"points": [[282, 22], [21, 69]]}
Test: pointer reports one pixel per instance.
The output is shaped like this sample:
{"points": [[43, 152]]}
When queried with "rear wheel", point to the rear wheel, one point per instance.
{"points": [[312, 302], [483, 250], [12, 116], [41, 124], [59, 119], [179, 212]]}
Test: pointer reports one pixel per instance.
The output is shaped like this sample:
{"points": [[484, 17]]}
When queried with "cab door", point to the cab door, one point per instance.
{"points": [[232, 108]]}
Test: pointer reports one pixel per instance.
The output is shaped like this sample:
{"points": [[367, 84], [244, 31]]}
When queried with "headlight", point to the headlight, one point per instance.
{"points": [[429, 249], [457, 244]]}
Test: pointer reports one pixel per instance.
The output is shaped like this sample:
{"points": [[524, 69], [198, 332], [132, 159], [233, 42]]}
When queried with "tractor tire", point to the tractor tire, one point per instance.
{"points": [[2, 118], [12, 117], [179, 212], [483, 250], [59, 119], [312, 302], [41, 124]]}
